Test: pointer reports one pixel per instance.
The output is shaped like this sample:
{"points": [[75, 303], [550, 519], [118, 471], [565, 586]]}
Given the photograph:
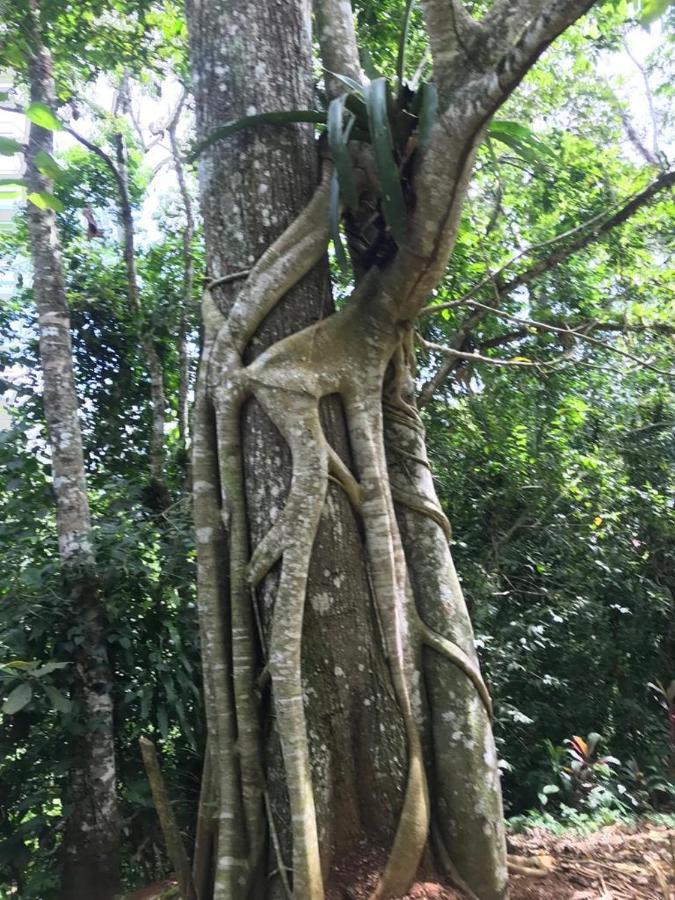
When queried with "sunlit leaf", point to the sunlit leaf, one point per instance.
{"points": [[44, 200], [47, 165], [40, 114], [651, 10]]}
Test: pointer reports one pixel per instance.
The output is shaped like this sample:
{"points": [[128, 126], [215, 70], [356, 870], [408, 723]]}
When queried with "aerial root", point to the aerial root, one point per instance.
{"points": [[282, 869], [454, 653], [296, 415], [528, 866], [342, 476], [364, 422], [242, 626], [424, 507], [269, 551]]}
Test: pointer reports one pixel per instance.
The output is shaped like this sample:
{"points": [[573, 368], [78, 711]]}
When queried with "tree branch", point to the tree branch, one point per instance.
{"points": [[479, 97], [337, 41], [453, 38], [581, 333], [505, 21], [629, 208]]}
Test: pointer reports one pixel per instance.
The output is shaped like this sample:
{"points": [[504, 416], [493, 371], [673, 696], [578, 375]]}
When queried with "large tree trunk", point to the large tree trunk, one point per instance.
{"points": [[346, 713], [357, 746], [91, 841]]}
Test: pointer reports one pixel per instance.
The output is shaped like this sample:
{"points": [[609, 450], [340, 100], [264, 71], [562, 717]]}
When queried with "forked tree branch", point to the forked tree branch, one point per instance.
{"points": [[586, 233], [591, 230], [479, 97]]}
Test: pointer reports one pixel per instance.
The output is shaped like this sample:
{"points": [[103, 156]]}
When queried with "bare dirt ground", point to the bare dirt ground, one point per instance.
{"points": [[615, 863]]}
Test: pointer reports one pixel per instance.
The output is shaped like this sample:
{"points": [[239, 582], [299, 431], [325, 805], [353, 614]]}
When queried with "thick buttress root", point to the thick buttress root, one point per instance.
{"points": [[346, 354]]}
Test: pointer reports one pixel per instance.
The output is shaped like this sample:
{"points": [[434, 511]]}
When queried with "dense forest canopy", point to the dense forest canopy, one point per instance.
{"points": [[542, 378]]}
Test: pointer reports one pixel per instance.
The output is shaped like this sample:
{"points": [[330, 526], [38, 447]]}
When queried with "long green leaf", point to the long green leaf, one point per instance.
{"points": [[338, 137], [279, 117], [403, 42], [513, 133], [428, 112], [352, 86], [393, 204], [334, 224]]}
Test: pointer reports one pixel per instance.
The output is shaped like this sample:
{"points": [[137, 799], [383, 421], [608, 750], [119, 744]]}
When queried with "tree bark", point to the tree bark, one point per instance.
{"points": [[347, 716], [91, 841], [188, 285], [266, 64]]}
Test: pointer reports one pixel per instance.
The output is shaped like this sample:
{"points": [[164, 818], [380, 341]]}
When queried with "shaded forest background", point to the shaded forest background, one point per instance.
{"points": [[555, 462]]}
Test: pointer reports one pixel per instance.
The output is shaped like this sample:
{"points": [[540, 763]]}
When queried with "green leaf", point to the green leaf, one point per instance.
{"points": [[520, 139], [334, 225], [352, 86], [44, 200], [338, 138], [40, 114], [49, 667], [17, 699], [393, 204], [47, 165], [270, 118], [8, 146], [56, 698], [12, 182], [403, 40], [651, 10], [428, 112]]}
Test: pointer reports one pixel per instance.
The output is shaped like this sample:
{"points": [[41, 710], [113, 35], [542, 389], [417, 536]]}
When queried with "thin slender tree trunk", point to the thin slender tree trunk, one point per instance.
{"points": [[91, 841], [152, 359], [188, 286]]}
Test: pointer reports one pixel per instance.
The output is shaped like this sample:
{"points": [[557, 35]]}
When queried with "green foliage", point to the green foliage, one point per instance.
{"points": [[558, 480], [145, 559]]}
